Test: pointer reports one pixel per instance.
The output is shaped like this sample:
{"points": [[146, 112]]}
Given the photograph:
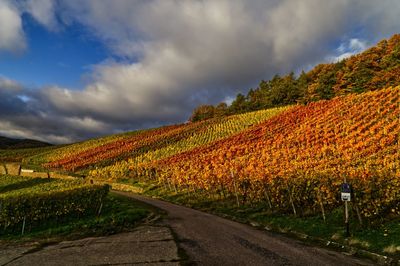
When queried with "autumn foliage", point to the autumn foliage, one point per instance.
{"points": [[297, 160], [149, 145], [124, 147]]}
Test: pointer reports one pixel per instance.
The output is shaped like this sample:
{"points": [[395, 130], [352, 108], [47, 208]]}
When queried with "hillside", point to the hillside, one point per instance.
{"points": [[376, 68], [297, 159], [294, 157], [147, 145], [9, 143]]}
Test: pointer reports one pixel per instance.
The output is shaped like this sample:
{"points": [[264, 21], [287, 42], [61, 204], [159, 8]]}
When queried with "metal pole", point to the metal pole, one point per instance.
{"points": [[346, 214], [346, 210]]}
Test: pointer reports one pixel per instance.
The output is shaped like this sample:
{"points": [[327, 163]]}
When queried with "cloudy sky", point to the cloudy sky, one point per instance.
{"points": [[74, 69]]}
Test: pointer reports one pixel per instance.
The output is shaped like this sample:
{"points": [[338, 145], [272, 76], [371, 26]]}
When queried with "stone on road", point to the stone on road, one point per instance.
{"points": [[146, 245], [211, 240]]}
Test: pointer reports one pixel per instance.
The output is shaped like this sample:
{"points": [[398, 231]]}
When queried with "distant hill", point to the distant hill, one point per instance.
{"points": [[9, 143], [376, 68]]}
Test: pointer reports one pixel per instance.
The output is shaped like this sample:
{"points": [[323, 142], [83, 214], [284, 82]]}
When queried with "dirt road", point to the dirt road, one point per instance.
{"points": [[211, 240], [146, 245]]}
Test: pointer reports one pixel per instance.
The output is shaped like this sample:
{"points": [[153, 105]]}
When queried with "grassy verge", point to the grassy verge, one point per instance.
{"points": [[382, 238], [118, 214]]}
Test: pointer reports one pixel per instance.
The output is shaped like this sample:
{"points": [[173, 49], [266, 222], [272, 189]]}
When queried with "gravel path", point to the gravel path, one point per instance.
{"points": [[211, 240], [146, 245]]}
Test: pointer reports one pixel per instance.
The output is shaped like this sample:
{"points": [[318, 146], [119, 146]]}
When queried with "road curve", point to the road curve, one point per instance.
{"points": [[211, 240]]}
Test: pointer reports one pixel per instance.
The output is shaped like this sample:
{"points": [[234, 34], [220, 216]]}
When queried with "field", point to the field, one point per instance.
{"points": [[294, 161], [147, 145], [29, 202], [297, 160], [51, 210], [210, 132]]}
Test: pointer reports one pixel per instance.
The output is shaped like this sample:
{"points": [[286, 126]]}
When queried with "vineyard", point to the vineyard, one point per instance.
{"points": [[70, 150], [148, 145], [29, 202], [292, 158], [295, 161], [212, 131]]}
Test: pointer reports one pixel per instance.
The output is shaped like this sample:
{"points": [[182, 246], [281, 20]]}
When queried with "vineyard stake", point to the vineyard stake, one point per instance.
{"points": [[267, 195], [292, 203], [322, 206], [23, 226], [99, 211], [236, 193], [291, 199], [357, 210]]}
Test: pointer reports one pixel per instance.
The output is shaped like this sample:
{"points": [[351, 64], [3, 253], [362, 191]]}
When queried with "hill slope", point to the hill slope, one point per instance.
{"points": [[148, 145], [9, 143], [298, 159]]}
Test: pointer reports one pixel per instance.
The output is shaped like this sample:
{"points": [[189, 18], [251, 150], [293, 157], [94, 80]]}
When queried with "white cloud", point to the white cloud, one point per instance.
{"points": [[10, 85], [11, 32], [228, 100], [43, 11], [347, 49], [357, 45], [12, 35], [178, 54], [191, 52], [11, 130]]}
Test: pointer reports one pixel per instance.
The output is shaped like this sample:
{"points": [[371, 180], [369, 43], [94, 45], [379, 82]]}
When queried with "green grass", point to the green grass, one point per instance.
{"points": [[382, 237], [118, 214]]}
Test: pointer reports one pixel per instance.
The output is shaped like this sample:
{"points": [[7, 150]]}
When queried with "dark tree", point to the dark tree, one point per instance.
{"points": [[202, 112]]}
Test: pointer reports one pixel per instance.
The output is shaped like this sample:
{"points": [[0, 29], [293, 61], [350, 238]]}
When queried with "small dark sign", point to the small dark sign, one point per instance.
{"points": [[345, 192]]}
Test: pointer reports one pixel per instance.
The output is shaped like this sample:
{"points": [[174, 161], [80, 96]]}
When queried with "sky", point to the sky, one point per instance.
{"points": [[75, 69]]}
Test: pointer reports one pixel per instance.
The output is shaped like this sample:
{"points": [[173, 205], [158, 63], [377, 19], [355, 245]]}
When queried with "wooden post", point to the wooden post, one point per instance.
{"points": [[175, 189], [23, 226], [235, 186], [100, 208], [357, 210], [266, 194], [292, 203], [322, 206], [169, 184]]}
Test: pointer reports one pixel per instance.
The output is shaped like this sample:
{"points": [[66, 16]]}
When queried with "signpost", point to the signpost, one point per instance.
{"points": [[345, 192], [346, 197]]}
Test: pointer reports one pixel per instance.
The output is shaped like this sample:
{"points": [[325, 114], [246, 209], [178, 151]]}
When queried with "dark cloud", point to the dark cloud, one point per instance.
{"points": [[178, 54]]}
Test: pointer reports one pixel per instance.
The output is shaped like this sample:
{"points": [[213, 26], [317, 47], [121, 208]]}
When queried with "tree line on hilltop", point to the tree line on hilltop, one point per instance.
{"points": [[376, 68]]}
